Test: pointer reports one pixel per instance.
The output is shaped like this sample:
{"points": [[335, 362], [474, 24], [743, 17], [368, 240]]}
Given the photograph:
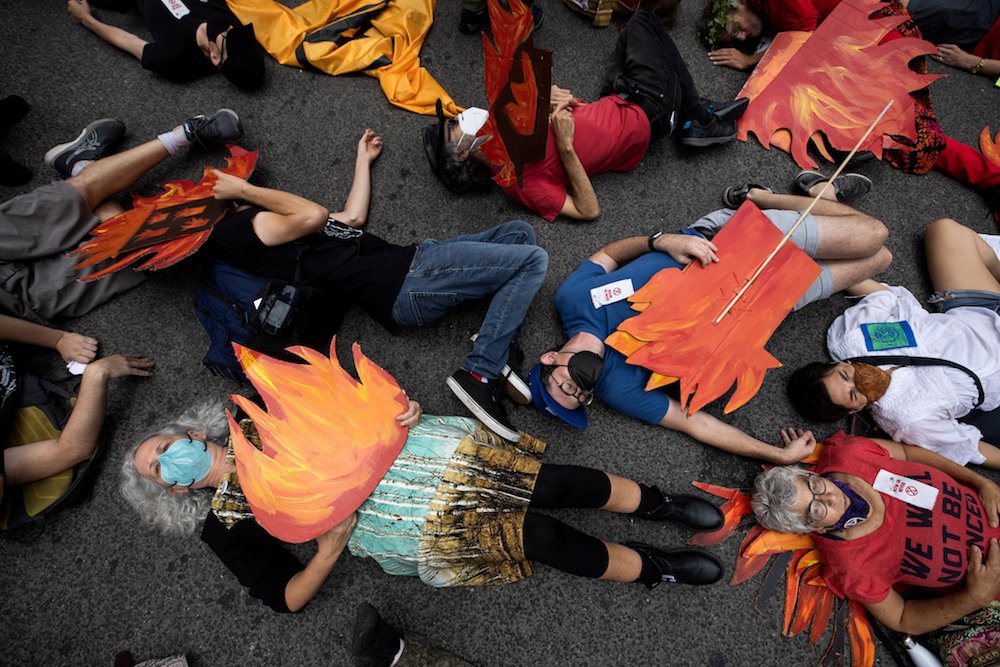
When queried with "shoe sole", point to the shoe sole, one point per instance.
{"points": [[516, 389], [481, 414], [53, 153], [707, 141]]}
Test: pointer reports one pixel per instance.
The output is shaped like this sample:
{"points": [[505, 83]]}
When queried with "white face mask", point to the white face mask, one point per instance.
{"points": [[470, 122]]}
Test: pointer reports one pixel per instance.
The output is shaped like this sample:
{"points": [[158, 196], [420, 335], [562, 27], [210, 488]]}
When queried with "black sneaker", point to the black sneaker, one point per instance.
{"points": [[727, 110], [95, 142], [690, 511], [374, 642], [735, 195], [683, 566], [470, 23], [12, 109], [483, 400], [513, 385], [716, 131], [847, 186], [222, 126]]}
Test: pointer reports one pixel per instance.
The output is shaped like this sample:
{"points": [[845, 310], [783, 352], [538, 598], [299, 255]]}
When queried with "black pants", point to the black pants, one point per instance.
{"points": [[648, 70], [550, 541]]}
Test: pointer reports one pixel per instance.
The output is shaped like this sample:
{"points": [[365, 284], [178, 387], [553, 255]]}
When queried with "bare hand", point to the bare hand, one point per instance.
{"points": [[332, 542], [798, 445], [412, 414], [563, 126], [74, 347], [120, 365], [80, 10], [989, 494], [227, 187], [369, 146], [562, 96], [730, 57], [951, 55], [982, 579], [684, 249]]}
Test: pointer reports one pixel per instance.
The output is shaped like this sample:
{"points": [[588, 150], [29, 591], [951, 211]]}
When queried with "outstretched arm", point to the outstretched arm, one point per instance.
{"points": [[734, 58], [355, 213], [303, 586], [953, 56], [916, 617], [70, 346], [288, 217], [705, 428], [683, 248], [124, 40]]}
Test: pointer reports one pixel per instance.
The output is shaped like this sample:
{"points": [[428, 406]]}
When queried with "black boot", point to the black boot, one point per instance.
{"points": [[683, 566], [375, 642]]}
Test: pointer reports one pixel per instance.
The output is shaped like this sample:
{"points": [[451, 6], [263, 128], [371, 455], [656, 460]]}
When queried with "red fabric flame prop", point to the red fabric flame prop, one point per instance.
{"points": [[809, 604], [170, 226], [518, 83], [674, 336], [991, 147], [834, 81], [327, 439]]}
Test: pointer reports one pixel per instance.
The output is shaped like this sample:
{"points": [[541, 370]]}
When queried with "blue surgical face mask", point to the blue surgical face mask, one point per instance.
{"points": [[185, 462], [856, 512]]}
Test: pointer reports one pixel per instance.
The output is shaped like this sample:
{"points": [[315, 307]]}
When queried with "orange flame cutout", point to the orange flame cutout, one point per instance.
{"points": [[675, 337], [327, 439], [733, 510], [169, 226], [835, 80], [518, 77]]}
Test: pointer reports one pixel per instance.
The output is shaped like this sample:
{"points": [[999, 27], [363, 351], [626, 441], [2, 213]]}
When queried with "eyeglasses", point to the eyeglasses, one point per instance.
{"points": [[476, 141], [817, 510], [583, 396]]}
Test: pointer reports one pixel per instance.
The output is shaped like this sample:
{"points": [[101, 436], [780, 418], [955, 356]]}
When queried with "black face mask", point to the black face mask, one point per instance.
{"points": [[585, 369], [215, 27]]}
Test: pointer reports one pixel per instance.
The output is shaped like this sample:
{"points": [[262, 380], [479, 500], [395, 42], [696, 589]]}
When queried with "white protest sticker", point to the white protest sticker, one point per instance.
{"points": [[177, 8], [910, 491], [612, 292]]}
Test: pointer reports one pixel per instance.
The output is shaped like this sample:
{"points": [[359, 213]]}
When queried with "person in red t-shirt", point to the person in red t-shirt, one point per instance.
{"points": [[648, 93], [885, 514]]}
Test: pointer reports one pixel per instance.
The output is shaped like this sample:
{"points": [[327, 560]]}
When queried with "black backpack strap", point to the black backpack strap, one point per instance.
{"points": [[904, 360]]}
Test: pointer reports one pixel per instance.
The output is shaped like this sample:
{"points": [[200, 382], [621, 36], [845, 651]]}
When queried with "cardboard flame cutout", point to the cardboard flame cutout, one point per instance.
{"points": [[518, 86], [674, 337], [832, 82], [169, 226], [327, 439], [809, 604]]}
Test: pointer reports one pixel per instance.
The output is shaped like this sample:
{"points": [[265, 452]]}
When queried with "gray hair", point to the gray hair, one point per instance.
{"points": [[173, 513], [774, 499]]}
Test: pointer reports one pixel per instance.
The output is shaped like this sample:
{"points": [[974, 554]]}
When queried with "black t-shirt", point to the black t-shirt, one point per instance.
{"points": [[259, 561], [346, 262], [174, 54]]}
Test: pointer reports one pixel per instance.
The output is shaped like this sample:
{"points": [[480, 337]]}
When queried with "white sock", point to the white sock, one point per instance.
{"points": [[993, 241], [80, 166], [174, 140]]}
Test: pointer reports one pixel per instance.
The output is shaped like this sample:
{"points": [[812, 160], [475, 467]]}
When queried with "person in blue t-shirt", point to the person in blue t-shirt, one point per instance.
{"points": [[592, 302]]}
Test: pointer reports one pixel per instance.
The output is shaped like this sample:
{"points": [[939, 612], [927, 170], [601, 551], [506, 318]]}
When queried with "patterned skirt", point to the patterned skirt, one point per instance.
{"points": [[474, 530], [973, 641]]}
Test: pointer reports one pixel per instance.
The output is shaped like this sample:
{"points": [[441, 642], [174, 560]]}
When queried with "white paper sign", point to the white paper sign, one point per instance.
{"points": [[612, 292], [910, 491], [176, 7]]}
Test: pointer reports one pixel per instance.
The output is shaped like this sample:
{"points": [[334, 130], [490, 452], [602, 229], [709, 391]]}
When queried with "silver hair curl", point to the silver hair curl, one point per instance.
{"points": [[774, 499], [173, 513]]}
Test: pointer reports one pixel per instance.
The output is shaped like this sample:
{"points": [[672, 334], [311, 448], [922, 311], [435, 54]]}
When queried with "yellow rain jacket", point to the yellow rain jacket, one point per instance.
{"points": [[382, 38]]}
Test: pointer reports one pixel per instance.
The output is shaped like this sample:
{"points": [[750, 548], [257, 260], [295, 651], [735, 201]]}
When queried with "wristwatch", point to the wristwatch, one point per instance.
{"points": [[652, 239]]}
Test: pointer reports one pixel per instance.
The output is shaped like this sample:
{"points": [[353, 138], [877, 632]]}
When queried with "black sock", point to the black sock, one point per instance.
{"points": [[650, 500], [650, 573]]}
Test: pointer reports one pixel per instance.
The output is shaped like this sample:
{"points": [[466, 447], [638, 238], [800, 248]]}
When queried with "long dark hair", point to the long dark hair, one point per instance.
{"points": [[808, 394]]}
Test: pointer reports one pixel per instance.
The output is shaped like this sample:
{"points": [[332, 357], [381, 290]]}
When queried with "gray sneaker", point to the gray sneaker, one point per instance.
{"points": [[847, 186], [95, 142], [222, 126]]}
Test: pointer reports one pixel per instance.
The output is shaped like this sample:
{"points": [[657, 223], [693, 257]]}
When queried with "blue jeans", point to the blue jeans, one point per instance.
{"points": [[503, 262], [965, 298]]}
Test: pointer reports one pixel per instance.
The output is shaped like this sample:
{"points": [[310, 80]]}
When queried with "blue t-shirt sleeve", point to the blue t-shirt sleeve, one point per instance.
{"points": [[573, 300], [622, 387]]}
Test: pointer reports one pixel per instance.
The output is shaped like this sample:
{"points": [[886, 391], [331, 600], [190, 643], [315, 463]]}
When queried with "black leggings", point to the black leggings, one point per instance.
{"points": [[550, 541]]}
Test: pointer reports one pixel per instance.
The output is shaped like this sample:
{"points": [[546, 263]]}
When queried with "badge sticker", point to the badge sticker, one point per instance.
{"points": [[612, 292], [910, 491], [177, 8], [881, 336]]}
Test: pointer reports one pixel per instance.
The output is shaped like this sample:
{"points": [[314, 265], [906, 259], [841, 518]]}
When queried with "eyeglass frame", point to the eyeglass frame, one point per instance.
{"points": [[588, 393], [815, 499]]}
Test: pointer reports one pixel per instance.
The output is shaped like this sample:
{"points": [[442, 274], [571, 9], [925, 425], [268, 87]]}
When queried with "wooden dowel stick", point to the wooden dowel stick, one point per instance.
{"points": [[788, 234]]}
